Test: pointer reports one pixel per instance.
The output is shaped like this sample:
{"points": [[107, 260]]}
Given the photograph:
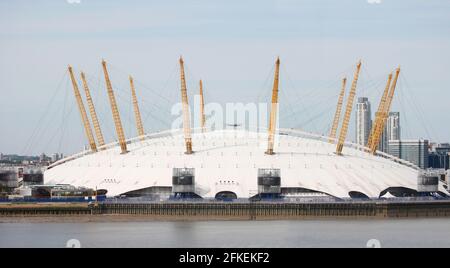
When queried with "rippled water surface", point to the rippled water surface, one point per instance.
{"points": [[306, 233]]}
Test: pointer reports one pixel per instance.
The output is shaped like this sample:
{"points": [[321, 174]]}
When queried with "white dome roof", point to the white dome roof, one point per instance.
{"points": [[228, 160]]}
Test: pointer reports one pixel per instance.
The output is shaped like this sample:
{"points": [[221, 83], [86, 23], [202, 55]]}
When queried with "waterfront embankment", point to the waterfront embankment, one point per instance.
{"points": [[226, 210]]}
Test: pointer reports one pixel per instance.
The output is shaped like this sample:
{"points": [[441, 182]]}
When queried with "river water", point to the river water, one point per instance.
{"points": [[232, 234]]}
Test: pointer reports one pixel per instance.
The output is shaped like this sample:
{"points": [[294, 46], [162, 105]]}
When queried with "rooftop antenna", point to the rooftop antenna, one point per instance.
{"points": [[378, 114], [384, 114], [84, 118], [115, 111], [337, 115], [95, 122], [202, 108], [137, 113], [348, 111], [273, 109], [185, 104]]}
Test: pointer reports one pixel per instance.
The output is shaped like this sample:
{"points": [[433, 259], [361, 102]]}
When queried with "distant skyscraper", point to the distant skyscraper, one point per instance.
{"points": [[363, 121], [393, 126], [414, 151], [55, 157], [439, 157], [391, 131]]}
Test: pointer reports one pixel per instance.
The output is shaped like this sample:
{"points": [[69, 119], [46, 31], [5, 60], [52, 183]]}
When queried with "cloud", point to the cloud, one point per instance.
{"points": [[374, 1], [74, 1]]}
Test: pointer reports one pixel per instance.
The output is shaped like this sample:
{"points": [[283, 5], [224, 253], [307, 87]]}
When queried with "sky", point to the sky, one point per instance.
{"points": [[232, 46]]}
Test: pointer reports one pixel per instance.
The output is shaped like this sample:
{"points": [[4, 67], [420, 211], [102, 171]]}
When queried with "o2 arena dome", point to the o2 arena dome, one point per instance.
{"points": [[237, 162], [233, 162]]}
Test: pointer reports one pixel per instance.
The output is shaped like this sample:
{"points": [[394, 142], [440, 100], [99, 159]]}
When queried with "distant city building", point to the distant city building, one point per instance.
{"points": [[14, 160], [392, 131], [44, 159], [439, 156], [414, 151], [56, 157], [393, 126], [363, 121]]}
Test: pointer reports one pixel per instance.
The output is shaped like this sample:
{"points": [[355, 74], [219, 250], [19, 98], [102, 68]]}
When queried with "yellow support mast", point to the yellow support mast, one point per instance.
{"points": [[137, 113], [337, 115], [185, 104], [115, 111], [202, 108], [385, 113], [348, 111], [84, 118], [378, 114], [95, 122], [273, 110]]}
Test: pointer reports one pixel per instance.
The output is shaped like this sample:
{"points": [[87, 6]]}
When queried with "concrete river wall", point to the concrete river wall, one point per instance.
{"points": [[238, 211]]}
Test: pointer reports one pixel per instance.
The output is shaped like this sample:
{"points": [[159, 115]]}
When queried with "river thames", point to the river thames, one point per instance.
{"points": [[230, 234]]}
